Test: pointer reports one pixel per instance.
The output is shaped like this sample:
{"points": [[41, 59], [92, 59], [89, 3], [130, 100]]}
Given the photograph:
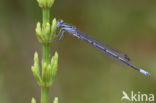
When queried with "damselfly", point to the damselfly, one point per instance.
{"points": [[117, 55]]}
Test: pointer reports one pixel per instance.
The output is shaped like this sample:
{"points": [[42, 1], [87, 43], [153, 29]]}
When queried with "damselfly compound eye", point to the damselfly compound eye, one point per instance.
{"points": [[59, 23]]}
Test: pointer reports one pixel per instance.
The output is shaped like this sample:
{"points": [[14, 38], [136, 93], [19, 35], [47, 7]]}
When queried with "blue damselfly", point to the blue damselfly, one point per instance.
{"points": [[117, 55]]}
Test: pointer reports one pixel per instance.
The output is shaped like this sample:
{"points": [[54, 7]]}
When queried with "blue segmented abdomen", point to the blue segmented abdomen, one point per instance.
{"points": [[114, 55]]}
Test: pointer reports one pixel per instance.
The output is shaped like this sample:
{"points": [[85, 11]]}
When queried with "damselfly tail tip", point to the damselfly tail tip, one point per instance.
{"points": [[144, 72]]}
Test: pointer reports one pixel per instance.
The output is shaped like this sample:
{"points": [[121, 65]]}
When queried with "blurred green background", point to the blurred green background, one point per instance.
{"points": [[84, 75]]}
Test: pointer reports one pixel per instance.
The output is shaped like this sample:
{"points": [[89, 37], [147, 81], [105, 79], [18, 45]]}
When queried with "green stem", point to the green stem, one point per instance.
{"points": [[45, 58], [46, 52], [45, 55], [44, 95], [46, 16]]}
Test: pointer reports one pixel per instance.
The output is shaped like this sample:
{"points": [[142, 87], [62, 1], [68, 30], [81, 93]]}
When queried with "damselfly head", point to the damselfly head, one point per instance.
{"points": [[59, 23]]}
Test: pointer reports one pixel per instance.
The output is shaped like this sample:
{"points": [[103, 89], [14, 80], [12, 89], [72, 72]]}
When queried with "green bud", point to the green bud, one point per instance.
{"points": [[53, 29], [36, 63], [39, 31], [37, 77], [35, 68], [47, 28], [48, 75], [56, 100], [54, 63], [45, 3], [47, 31], [44, 71], [33, 100]]}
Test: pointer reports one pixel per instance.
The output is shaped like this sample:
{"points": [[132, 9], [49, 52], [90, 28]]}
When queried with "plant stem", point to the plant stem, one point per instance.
{"points": [[45, 55], [46, 52], [46, 16], [45, 34], [44, 95]]}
